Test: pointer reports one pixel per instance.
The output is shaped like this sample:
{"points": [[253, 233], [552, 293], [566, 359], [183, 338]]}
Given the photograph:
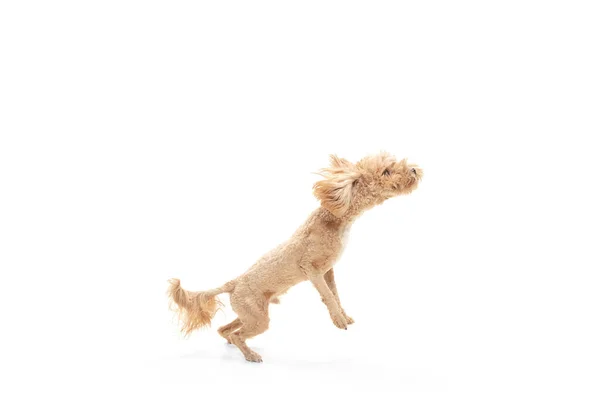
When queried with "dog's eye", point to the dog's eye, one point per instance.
{"points": [[414, 171], [386, 172]]}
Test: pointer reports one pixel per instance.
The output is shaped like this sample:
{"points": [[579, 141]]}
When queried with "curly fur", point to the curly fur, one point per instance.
{"points": [[335, 191], [345, 192]]}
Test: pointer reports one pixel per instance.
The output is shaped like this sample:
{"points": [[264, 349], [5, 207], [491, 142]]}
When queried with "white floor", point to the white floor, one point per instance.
{"points": [[416, 354], [303, 355]]}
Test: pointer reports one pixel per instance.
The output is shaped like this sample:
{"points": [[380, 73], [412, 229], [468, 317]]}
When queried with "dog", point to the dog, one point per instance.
{"points": [[345, 192]]}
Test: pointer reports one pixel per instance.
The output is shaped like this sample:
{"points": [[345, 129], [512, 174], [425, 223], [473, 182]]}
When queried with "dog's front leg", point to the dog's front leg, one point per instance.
{"points": [[331, 283], [335, 311]]}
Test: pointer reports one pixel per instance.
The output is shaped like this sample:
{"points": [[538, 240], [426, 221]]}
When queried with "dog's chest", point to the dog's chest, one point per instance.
{"points": [[328, 247], [344, 233]]}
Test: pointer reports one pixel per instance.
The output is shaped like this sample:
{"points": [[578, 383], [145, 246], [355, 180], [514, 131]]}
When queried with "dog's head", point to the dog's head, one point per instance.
{"points": [[349, 189]]}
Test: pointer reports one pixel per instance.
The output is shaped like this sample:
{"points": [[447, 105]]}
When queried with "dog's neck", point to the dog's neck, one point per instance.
{"points": [[342, 223]]}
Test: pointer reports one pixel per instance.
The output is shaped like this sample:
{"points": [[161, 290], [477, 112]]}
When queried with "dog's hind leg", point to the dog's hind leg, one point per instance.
{"points": [[228, 329], [252, 327], [255, 320]]}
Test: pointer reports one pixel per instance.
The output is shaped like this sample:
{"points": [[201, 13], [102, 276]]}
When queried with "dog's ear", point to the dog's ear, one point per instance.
{"points": [[338, 162], [335, 191]]}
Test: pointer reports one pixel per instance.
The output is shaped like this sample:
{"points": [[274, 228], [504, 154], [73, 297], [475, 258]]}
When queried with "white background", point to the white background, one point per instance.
{"points": [[144, 140]]}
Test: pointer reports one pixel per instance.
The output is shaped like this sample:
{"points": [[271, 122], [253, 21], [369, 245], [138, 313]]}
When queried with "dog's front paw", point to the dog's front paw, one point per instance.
{"points": [[339, 321], [349, 320]]}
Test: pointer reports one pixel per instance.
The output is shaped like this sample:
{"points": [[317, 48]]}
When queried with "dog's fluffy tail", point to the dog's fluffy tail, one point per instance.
{"points": [[195, 309]]}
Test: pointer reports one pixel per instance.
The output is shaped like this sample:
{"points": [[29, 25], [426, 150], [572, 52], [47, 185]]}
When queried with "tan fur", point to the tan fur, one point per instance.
{"points": [[345, 192], [195, 309]]}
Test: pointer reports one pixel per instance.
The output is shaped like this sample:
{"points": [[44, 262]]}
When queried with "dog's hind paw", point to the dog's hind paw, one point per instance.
{"points": [[339, 320], [253, 357]]}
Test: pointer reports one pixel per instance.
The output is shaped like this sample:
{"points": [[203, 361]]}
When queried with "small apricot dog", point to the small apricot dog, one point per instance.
{"points": [[345, 192]]}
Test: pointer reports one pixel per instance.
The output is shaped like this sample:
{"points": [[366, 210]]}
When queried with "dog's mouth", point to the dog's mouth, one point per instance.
{"points": [[398, 188], [395, 190]]}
